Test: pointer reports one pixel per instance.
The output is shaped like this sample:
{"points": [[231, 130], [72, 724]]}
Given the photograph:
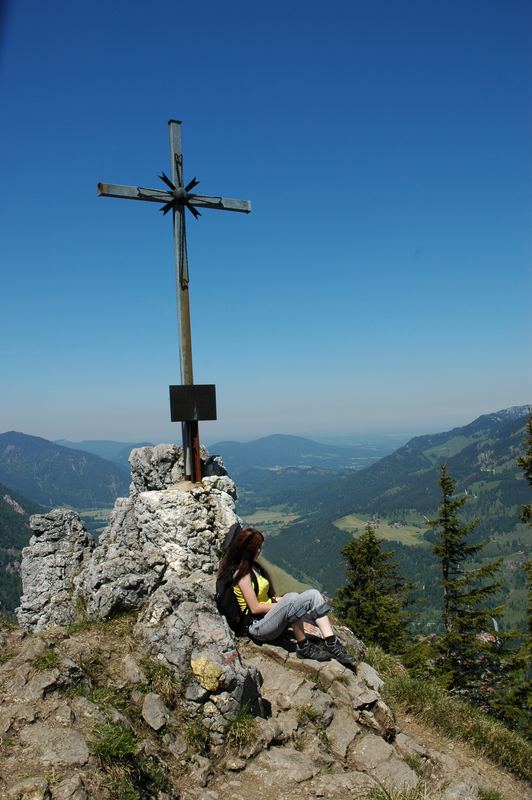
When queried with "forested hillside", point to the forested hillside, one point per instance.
{"points": [[56, 476], [400, 493], [15, 511]]}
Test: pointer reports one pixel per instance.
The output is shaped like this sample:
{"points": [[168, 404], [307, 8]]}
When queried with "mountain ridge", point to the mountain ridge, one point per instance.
{"points": [[52, 475]]}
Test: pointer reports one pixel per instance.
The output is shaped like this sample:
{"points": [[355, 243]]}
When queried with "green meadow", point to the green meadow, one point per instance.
{"points": [[406, 533]]}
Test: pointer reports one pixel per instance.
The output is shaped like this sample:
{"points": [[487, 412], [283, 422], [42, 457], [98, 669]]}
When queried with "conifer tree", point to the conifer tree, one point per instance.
{"points": [[525, 461], [373, 599], [469, 649]]}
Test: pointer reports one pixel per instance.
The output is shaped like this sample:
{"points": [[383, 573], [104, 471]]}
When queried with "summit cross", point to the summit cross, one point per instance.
{"points": [[189, 402]]}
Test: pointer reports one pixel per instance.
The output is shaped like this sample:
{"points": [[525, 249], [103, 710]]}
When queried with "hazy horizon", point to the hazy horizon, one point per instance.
{"points": [[348, 437]]}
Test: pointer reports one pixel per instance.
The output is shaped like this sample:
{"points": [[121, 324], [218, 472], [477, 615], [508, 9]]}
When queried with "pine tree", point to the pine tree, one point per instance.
{"points": [[525, 461], [470, 653], [373, 599]]}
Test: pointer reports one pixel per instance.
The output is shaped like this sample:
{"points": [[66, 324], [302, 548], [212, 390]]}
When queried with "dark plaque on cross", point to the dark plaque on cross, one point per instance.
{"points": [[189, 402]]}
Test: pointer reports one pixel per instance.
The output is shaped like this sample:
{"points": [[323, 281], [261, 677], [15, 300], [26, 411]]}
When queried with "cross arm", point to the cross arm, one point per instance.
{"points": [[221, 203], [133, 193], [162, 196]]}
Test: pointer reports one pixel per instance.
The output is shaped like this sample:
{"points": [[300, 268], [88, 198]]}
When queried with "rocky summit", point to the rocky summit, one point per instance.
{"points": [[123, 682]]}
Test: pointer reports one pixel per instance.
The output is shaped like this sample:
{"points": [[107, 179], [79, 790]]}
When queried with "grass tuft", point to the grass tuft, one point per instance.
{"points": [[5, 657], [418, 793], [48, 659], [241, 731], [489, 794], [113, 743], [429, 702], [307, 714], [164, 681], [7, 621], [196, 736]]}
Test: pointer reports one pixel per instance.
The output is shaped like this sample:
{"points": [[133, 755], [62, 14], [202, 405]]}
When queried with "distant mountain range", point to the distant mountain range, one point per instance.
{"points": [[105, 448], [53, 475], [276, 468], [403, 489]]}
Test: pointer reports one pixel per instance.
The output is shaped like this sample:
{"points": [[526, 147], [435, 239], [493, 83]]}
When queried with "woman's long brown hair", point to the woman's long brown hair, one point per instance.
{"points": [[241, 556]]}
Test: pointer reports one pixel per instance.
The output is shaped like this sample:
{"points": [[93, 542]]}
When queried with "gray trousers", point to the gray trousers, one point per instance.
{"points": [[291, 608]]}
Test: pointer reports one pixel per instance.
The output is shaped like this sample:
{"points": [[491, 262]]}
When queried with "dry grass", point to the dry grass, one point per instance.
{"points": [[432, 705]]}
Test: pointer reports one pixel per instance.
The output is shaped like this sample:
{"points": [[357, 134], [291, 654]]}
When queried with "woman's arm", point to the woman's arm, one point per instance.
{"points": [[246, 587]]}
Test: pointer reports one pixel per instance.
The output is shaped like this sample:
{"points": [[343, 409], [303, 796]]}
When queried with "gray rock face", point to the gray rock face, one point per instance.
{"points": [[153, 535], [58, 552], [154, 711], [55, 746], [161, 467], [157, 555]]}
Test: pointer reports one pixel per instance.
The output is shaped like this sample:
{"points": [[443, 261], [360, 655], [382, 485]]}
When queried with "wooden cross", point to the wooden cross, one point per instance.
{"points": [[185, 404]]}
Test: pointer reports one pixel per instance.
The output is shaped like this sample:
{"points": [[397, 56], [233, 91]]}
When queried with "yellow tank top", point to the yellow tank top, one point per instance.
{"points": [[262, 594]]}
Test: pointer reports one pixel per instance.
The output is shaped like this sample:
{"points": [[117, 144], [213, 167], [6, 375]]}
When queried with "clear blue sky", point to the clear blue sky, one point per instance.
{"points": [[382, 280]]}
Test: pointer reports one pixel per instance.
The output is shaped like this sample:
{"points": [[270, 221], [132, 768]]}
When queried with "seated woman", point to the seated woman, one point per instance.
{"points": [[268, 615]]}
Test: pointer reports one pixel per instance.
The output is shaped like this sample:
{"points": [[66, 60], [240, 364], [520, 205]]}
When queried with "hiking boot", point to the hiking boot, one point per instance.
{"points": [[310, 650], [338, 651]]}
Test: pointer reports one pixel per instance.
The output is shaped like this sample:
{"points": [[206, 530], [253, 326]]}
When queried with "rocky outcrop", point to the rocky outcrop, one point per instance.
{"points": [[157, 556], [58, 552]]}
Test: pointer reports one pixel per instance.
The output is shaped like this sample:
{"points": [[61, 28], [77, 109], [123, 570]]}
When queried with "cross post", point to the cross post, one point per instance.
{"points": [[186, 403]]}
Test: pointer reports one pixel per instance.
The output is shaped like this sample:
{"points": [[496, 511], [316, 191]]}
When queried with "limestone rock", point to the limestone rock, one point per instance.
{"points": [[70, 789], [407, 746], [282, 766], [344, 785], [132, 673], [371, 751], [341, 732], [154, 711], [366, 674], [380, 718], [461, 791], [30, 789], [161, 467], [395, 774], [57, 553], [55, 747]]}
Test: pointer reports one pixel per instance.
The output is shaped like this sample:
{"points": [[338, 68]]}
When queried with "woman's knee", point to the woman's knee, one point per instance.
{"points": [[318, 605], [290, 596], [314, 595]]}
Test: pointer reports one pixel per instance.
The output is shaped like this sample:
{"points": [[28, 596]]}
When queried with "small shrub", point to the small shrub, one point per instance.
{"points": [[164, 681], [321, 733], [94, 664], [48, 659], [7, 621], [113, 743], [120, 782], [196, 736], [416, 763], [418, 793], [317, 681], [241, 731], [153, 773], [121, 624], [79, 626], [343, 679], [489, 794], [307, 714], [106, 697], [53, 777], [5, 657]]}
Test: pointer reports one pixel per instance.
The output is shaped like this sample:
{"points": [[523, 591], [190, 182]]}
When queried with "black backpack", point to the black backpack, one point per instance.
{"points": [[227, 604]]}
